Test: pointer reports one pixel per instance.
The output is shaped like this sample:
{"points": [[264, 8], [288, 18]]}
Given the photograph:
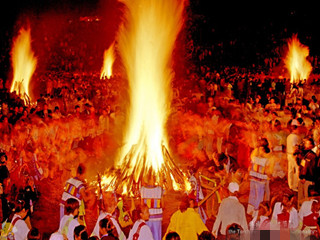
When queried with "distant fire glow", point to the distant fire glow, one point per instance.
{"points": [[108, 60], [23, 62], [296, 60], [146, 43]]}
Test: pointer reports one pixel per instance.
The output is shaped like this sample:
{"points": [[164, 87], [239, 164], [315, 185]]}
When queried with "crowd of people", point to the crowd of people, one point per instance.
{"points": [[239, 131], [247, 138]]}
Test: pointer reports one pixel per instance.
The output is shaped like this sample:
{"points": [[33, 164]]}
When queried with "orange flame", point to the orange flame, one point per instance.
{"points": [[146, 42], [296, 62], [24, 64], [108, 60]]}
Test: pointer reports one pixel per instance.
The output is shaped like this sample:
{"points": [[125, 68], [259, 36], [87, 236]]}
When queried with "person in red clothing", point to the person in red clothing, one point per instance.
{"points": [[310, 222]]}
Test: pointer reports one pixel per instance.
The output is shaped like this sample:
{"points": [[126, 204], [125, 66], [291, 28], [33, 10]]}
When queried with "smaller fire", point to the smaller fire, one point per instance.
{"points": [[108, 60], [296, 60], [24, 64]]}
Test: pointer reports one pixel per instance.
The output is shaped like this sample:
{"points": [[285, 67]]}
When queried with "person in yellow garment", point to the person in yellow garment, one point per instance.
{"points": [[75, 187], [186, 222]]}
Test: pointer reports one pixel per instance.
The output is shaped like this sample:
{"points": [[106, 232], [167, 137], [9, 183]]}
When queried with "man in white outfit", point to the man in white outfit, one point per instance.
{"points": [[140, 230], [109, 207], [231, 211], [293, 140]]}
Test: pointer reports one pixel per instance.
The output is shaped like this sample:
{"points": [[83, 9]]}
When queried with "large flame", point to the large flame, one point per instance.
{"points": [[146, 43], [108, 60], [23, 62], [296, 60]]}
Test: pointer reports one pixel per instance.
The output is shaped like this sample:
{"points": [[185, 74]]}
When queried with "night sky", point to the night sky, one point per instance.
{"points": [[212, 23]]}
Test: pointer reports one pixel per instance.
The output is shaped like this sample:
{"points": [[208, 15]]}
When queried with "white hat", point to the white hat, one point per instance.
{"points": [[233, 187]]}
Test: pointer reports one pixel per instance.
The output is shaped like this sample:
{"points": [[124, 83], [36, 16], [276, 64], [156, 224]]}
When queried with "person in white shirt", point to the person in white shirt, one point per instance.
{"points": [[20, 229], [305, 208], [140, 230], [231, 211], [109, 207], [308, 219], [69, 221], [279, 220], [293, 140]]}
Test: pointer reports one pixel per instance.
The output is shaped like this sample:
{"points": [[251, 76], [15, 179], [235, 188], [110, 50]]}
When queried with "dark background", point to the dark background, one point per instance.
{"points": [[255, 27]]}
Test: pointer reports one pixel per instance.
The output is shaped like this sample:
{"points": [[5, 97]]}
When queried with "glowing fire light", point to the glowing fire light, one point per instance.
{"points": [[108, 60], [23, 62], [296, 62], [146, 42]]}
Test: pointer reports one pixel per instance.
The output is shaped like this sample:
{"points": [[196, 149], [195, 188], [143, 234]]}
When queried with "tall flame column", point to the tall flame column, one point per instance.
{"points": [[146, 42], [23, 62], [296, 60]]}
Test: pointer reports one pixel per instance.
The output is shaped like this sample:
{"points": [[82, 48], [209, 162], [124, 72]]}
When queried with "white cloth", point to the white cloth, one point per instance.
{"points": [[305, 209], [292, 141], [293, 169], [56, 236], [144, 234], [230, 211], [20, 228], [102, 215]]}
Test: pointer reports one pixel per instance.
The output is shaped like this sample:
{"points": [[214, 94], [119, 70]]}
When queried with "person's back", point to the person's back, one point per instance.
{"points": [[230, 211], [292, 141], [69, 221], [187, 224]]}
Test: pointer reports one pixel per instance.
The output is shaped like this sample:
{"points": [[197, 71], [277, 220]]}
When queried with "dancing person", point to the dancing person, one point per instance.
{"points": [[20, 228], [80, 233], [140, 230], [70, 220], [231, 211], [186, 221], [4, 183], [307, 169], [260, 172], [293, 140], [75, 188], [107, 230], [152, 196], [109, 206], [284, 214]]}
